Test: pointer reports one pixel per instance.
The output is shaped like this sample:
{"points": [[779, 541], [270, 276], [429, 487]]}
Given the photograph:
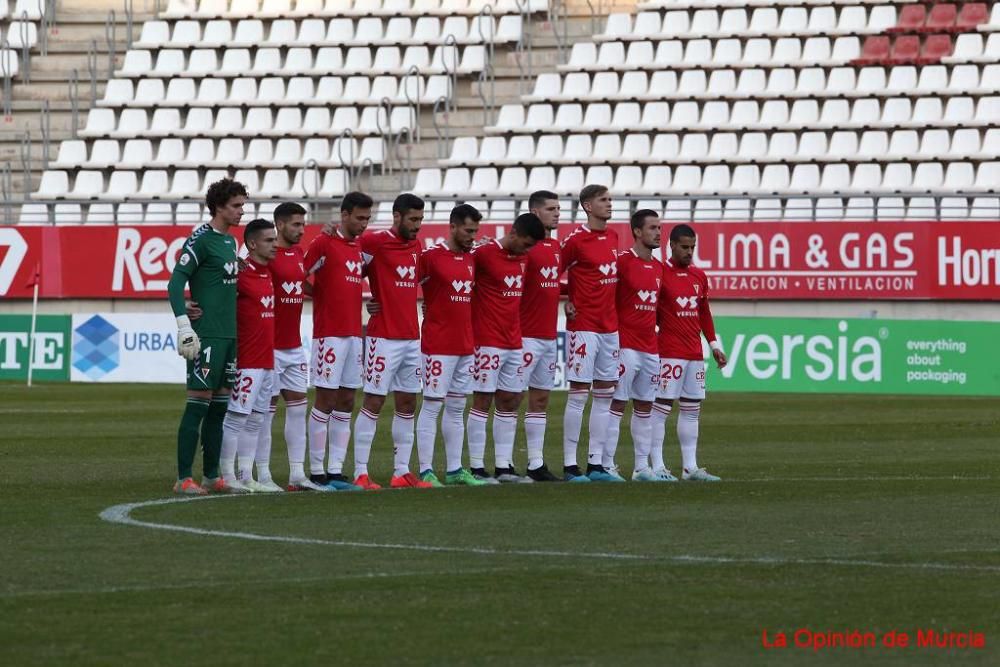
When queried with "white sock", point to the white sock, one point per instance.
{"points": [[340, 435], [687, 433], [295, 437], [402, 441], [232, 426], [534, 431], [263, 457], [318, 422], [453, 430], [247, 446], [658, 431], [427, 428], [612, 431], [599, 409], [364, 433], [476, 429], [640, 426], [504, 429], [572, 422]]}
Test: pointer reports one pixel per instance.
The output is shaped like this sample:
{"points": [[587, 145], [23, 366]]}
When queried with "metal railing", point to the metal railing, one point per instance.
{"points": [[25, 48], [25, 155], [7, 71], [7, 192], [45, 123], [523, 50], [74, 102], [442, 131], [413, 103], [558, 17], [110, 36]]}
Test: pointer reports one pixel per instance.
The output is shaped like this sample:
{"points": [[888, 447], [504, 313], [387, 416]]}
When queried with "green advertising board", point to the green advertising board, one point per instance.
{"points": [[858, 356], [52, 347]]}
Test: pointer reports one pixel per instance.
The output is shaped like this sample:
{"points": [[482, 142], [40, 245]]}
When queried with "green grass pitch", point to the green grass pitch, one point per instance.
{"points": [[836, 514]]}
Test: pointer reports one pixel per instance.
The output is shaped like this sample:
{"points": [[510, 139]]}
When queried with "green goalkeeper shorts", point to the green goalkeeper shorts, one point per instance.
{"points": [[215, 366]]}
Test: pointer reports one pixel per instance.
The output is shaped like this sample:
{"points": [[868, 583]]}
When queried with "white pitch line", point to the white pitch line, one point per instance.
{"points": [[868, 478], [121, 514]]}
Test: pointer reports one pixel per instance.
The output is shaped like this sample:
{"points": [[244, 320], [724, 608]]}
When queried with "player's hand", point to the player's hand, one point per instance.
{"points": [[241, 264], [330, 228], [193, 311], [720, 358], [423, 309], [373, 307], [570, 310], [188, 345]]}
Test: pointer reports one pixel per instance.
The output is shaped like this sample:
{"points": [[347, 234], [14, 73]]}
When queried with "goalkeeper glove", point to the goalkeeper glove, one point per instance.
{"points": [[188, 345]]}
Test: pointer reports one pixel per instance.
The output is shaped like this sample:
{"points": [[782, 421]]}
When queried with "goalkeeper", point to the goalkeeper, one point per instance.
{"points": [[208, 264]]}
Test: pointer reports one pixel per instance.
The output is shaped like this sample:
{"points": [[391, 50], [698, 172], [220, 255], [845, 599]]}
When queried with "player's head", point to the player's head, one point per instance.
{"points": [[290, 222], [645, 225], [596, 202], [260, 238], [682, 242], [225, 200], [526, 231], [355, 214], [545, 205], [407, 215], [464, 225]]}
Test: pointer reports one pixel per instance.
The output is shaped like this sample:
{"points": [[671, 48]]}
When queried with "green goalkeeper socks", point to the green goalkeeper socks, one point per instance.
{"points": [[211, 434], [187, 435]]}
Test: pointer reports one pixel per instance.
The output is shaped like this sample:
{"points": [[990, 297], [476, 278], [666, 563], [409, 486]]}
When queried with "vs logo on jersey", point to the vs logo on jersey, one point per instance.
{"points": [[687, 302], [647, 296], [462, 286], [514, 281], [292, 288], [353, 268], [407, 272], [232, 268], [609, 269], [549, 272], [267, 302]]}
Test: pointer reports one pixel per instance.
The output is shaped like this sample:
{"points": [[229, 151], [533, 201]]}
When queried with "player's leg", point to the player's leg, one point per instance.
{"points": [[348, 375], [692, 395], [671, 371], [439, 370], [643, 392], [486, 373], [406, 385], [627, 370], [507, 397], [326, 380], [249, 435], [220, 355], [378, 364], [453, 424], [262, 456], [195, 409], [580, 374], [291, 383], [540, 378], [238, 413], [606, 370]]}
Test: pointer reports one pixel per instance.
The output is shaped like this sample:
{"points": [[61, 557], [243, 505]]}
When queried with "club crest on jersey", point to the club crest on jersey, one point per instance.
{"points": [[514, 281], [267, 301], [292, 288], [462, 286], [646, 296], [407, 272], [687, 302], [697, 288], [353, 268], [609, 269], [549, 272]]}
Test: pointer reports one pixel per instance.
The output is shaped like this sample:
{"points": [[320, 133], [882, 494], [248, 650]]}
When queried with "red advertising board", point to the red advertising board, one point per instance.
{"points": [[761, 260]]}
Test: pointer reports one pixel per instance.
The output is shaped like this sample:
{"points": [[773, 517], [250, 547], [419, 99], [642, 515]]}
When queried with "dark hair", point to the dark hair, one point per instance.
{"points": [[528, 224], [680, 231], [255, 228], [407, 202], [286, 210], [221, 192], [464, 212], [639, 218], [539, 197], [353, 200], [591, 191]]}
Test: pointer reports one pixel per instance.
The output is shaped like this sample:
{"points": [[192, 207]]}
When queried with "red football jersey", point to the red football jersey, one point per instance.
{"points": [[254, 318], [496, 297], [540, 301], [683, 312], [392, 274], [288, 274], [446, 278], [336, 267], [638, 286], [589, 257]]}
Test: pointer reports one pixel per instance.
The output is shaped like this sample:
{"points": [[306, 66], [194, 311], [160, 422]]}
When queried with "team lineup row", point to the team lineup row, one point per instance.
{"points": [[490, 313]]}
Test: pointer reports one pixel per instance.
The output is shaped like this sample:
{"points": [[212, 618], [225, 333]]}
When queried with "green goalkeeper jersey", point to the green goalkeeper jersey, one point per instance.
{"points": [[209, 264]]}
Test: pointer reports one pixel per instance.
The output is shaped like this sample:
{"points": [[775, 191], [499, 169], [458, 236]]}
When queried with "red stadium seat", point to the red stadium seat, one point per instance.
{"points": [[972, 15], [942, 17], [875, 50], [906, 48], [935, 48], [911, 19]]}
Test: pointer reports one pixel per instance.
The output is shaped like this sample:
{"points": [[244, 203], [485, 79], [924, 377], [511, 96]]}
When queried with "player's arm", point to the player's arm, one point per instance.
{"points": [[188, 345], [708, 327]]}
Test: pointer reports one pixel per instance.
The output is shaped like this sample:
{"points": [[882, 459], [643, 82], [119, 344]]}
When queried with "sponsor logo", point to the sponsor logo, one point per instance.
{"points": [[609, 269], [145, 264], [514, 281], [407, 272], [549, 272], [96, 347], [267, 302], [688, 302], [292, 288], [354, 268], [17, 248], [462, 286], [646, 296]]}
